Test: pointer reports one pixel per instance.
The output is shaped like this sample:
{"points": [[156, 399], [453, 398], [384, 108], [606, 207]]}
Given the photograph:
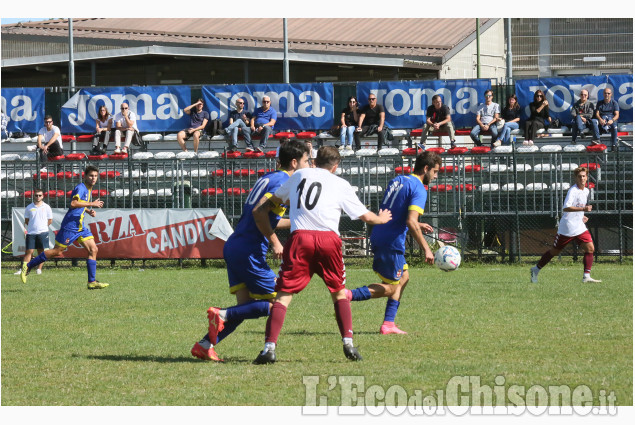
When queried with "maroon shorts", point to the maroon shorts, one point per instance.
{"points": [[561, 241], [308, 252]]}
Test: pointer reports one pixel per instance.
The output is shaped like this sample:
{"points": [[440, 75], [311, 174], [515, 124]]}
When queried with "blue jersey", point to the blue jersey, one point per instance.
{"points": [[74, 218], [246, 229], [403, 194]]}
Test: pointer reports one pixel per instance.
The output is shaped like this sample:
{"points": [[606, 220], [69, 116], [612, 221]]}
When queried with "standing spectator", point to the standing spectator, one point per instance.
{"points": [[103, 124], [239, 120], [538, 117], [607, 112], [262, 122], [316, 197], [38, 216], [438, 117], [198, 121], [511, 115], [5, 122], [49, 140], [348, 124], [582, 113], [405, 197], [126, 120], [572, 227], [73, 228], [486, 118], [371, 121]]}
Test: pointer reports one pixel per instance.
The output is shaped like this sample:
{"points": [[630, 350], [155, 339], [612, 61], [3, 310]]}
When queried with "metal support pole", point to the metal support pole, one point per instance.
{"points": [[478, 48], [71, 63], [509, 52], [285, 74]]}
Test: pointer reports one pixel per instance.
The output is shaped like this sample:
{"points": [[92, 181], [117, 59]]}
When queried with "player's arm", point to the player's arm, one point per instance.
{"points": [[585, 208], [413, 225], [79, 203], [383, 217], [283, 223], [261, 218]]}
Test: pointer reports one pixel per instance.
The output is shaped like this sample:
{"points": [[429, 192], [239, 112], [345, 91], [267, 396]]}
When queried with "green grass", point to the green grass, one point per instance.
{"points": [[129, 344]]}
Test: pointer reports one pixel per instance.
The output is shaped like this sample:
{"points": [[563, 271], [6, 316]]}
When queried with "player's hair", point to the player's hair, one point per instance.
{"points": [[579, 170], [426, 158], [291, 150], [90, 169], [327, 156]]}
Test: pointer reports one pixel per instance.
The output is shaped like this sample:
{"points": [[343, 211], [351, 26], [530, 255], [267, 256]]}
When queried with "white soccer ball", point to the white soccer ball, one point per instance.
{"points": [[447, 258]]}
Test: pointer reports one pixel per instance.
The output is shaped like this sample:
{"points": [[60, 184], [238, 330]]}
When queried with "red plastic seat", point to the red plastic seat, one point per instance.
{"points": [[67, 138], [284, 135], [591, 166], [271, 154], [67, 175], [442, 188], [448, 169], [440, 133], [55, 194], [234, 154], [462, 132], [78, 156], [69, 193], [254, 154], [403, 170], [221, 172], [97, 157], [410, 151], [596, 148], [262, 172], [416, 132], [56, 158], [45, 175], [465, 187], [436, 150], [85, 137], [235, 191], [590, 185], [99, 193], [28, 193], [118, 156], [473, 168], [212, 191], [306, 135], [480, 149], [109, 174], [244, 172], [459, 150]]}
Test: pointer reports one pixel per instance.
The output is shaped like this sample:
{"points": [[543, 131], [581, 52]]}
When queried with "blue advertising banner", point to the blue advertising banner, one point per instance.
{"points": [[299, 106], [24, 108], [158, 108], [562, 93], [405, 102]]}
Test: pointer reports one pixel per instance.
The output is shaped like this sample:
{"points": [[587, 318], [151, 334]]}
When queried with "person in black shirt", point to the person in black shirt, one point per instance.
{"points": [[239, 120], [348, 124], [511, 115], [538, 118], [371, 121], [438, 117]]}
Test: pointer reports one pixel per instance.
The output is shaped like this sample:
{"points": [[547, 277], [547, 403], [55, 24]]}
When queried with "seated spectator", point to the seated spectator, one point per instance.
{"points": [[125, 121], [348, 124], [486, 118], [371, 121], [511, 115], [538, 117], [5, 122], [607, 112], [262, 122], [239, 120], [49, 140], [103, 124], [582, 113], [198, 121], [438, 117]]}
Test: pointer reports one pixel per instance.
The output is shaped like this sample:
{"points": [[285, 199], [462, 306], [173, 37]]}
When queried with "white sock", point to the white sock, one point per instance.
{"points": [[587, 275], [269, 346], [223, 315], [347, 341], [205, 343]]}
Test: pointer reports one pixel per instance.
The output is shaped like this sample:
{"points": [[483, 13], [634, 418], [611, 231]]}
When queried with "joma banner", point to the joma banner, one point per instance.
{"points": [[157, 108], [24, 108], [405, 102], [135, 233], [562, 93], [299, 106]]}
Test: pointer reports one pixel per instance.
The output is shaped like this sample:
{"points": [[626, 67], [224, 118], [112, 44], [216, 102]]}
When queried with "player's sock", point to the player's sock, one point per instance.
{"points": [[269, 346], [344, 317], [361, 294], [36, 261], [204, 342], [91, 266], [227, 330], [347, 341], [391, 310], [546, 257], [250, 310], [587, 261], [275, 321]]}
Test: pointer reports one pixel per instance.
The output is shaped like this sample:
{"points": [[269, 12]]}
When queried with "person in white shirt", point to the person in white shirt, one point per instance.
{"points": [[572, 227], [486, 118], [37, 217], [49, 140], [126, 120], [316, 199]]}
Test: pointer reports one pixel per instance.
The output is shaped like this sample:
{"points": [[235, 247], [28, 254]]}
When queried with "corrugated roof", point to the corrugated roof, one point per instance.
{"points": [[394, 37]]}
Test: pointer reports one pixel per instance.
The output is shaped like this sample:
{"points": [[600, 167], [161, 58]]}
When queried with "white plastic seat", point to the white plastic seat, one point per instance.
{"points": [[339, 171], [497, 168], [388, 152], [164, 155], [152, 137], [372, 189], [366, 152], [169, 138], [489, 187], [120, 192], [625, 127], [560, 186], [381, 169], [24, 140], [142, 155], [198, 173], [10, 157], [527, 149], [355, 188], [522, 168], [562, 130], [179, 173], [154, 173], [186, 155], [355, 170], [166, 193], [208, 154], [542, 168], [551, 148], [347, 152], [34, 139], [29, 157], [399, 133], [534, 187], [20, 175], [144, 192], [325, 135], [31, 148], [516, 132], [567, 166], [9, 194], [215, 138], [509, 187], [135, 174], [503, 149], [574, 148]]}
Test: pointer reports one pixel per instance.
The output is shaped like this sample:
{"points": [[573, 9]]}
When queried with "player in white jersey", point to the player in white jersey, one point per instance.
{"points": [[572, 227], [316, 198]]}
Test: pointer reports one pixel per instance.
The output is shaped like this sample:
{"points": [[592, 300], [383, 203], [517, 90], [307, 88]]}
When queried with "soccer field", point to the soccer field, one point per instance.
{"points": [[129, 344]]}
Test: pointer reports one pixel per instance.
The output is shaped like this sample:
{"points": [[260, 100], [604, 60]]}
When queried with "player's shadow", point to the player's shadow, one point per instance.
{"points": [[157, 359]]}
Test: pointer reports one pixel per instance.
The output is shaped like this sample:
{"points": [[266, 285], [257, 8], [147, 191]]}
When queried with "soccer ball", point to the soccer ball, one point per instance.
{"points": [[447, 258]]}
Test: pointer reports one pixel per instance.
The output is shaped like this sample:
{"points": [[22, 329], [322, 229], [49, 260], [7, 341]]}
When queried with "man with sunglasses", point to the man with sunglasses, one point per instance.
{"points": [[38, 216], [582, 113], [49, 140], [486, 118], [607, 112], [371, 121], [125, 120], [239, 120], [262, 123], [198, 121]]}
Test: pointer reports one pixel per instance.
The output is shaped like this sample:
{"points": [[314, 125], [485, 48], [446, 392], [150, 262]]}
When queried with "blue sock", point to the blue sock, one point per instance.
{"points": [[361, 294], [391, 310], [91, 265], [37, 261], [250, 310], [228, 329]]}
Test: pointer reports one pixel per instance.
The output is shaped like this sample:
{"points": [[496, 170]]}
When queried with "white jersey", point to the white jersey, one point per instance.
{"points": [[317, 198], [38, 218], [54, 131], [571, 223], [121, 120]]}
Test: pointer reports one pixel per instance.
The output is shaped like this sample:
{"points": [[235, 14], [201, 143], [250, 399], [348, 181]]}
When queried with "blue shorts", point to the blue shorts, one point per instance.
{"points": [[66, 237], [389, 265], [37, 241], [249, 270]]}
